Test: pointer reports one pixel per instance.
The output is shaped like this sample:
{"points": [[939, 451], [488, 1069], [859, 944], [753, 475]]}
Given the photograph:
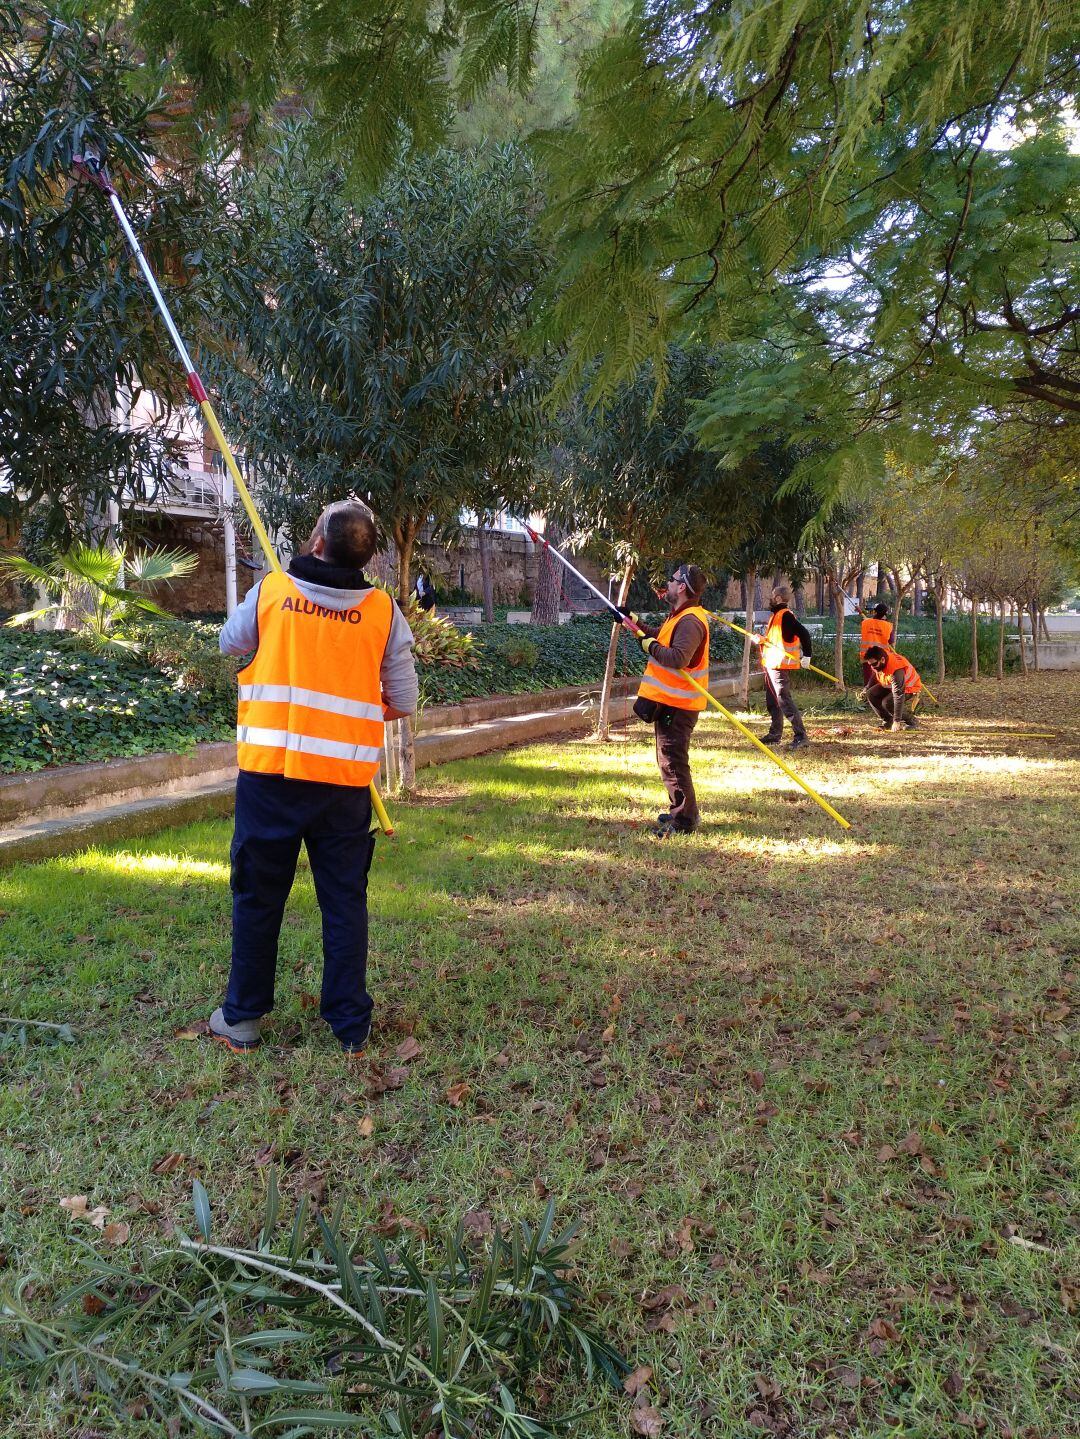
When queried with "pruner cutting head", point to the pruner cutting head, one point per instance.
{"points": [[92, 168], [537, 539]]}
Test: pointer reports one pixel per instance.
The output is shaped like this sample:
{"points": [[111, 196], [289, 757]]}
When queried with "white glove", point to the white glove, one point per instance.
{"points": [[755, 639], [804, 663]]}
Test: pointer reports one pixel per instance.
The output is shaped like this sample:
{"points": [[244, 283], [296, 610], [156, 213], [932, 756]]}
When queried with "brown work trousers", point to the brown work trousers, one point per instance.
{"points": [[673, 730]]}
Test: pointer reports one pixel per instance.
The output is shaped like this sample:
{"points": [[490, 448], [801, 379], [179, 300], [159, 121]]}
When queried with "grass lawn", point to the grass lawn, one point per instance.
{"points": [[811, 1094]]}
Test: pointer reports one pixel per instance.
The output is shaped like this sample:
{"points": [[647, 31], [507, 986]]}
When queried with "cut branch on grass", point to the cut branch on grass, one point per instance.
{"points": [[436, 1329]]}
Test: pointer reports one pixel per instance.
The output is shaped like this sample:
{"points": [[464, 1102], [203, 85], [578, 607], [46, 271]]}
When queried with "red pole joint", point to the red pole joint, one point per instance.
{"points": [[92, 168]]}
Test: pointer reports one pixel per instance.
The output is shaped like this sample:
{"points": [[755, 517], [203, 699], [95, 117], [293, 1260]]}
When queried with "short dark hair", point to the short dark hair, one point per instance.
{"points": [[348, 531], [693, 577], [875, 654], [881, 611], [782, 594]]}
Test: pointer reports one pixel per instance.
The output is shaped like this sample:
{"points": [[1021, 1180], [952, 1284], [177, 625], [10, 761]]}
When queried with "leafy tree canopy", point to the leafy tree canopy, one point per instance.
{"points": [[378, 350], [818, 183], [78, 330]]}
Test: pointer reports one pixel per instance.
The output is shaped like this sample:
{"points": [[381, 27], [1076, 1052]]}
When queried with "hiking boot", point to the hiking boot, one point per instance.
{"points": [[800, 741], [911, 722], [771, 739], [240, 1037], [353, 1048], [665, 829]]}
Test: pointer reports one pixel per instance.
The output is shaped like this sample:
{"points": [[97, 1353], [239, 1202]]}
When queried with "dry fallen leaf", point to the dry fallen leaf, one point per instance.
{"points": [[77, 1207], [166, 1164], [116, 1233], [634, 1383], [456, 1093], [366, 1126], [646, 1420], [608, 1035], [408, 1049], [882, 1329]]}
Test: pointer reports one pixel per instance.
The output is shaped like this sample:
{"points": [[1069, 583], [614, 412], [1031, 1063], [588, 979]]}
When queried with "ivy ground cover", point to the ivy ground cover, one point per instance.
{"points": [[810, 1094]]}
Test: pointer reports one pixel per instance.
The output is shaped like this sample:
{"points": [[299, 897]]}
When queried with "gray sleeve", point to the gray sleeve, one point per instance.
{"points": [[240, 632], [400, 686]]}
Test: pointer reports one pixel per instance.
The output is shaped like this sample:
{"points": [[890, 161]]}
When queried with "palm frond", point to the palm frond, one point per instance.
{"points": [[159, 566]]}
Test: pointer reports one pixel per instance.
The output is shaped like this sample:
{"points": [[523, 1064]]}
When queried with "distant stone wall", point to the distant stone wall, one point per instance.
{"points": [[515, 561], [203, 591], [10, 595]]}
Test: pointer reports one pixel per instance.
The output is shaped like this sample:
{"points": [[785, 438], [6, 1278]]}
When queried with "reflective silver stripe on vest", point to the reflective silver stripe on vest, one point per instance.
{"points": [[308, 744], [701, 675], [670, 689], [312, 700]]}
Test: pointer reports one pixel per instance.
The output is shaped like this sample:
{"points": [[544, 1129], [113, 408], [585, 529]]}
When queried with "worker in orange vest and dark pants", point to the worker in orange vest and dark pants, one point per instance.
{"points": [[785, 646], [876, 629], [895, 681], [664, 698], [332, 659]]}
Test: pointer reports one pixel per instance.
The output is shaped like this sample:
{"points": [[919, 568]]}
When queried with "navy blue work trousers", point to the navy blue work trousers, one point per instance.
{"points": [[273, 816]]}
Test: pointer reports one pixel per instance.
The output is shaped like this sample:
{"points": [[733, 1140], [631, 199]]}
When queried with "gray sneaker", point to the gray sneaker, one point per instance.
{"points": [[241, 1037]]}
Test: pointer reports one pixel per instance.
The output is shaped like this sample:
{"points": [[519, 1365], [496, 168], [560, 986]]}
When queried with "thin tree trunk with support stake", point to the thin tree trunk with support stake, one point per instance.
{"points": [[939, 606], [750, 593], [603, 721], [974, 639]]}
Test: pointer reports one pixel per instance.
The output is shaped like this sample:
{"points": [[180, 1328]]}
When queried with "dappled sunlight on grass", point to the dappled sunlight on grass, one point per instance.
{"points": [[799, 1078], [173, 867]]}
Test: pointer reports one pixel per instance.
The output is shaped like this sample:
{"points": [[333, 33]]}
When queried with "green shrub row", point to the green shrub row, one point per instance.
{"points": [[63, 704]]}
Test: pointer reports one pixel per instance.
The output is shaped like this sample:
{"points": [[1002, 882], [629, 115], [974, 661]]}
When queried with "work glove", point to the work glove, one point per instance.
{"points": [[647, 642], [755, 639], [804, 663]]}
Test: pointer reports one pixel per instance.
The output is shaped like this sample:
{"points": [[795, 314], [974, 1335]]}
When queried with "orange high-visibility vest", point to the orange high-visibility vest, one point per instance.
{"points": [[667, 687], [776, 652], [311, 699], [894, 662], [874, 632]]}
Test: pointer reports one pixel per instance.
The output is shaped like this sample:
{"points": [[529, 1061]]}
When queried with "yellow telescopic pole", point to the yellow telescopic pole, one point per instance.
{"points": [[91, 168], [765, 750], [622, 618], [732, 626]]}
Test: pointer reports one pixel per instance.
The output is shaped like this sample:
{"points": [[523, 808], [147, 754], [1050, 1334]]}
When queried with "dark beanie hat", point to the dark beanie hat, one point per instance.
{"points": [[881, 612]]}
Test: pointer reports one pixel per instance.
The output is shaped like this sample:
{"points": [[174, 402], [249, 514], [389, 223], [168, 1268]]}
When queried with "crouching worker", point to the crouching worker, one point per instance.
{"points": [[332, 659], [894, 681], [667, 701]]}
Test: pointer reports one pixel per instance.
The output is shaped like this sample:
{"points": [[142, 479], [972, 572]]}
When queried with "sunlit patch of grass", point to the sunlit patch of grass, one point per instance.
{"points": [[815, 1079]]}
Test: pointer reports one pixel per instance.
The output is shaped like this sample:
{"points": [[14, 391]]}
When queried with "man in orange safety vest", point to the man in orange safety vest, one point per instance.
{"points": [[785, 646], [667, 701], [895, 680], [331, 659]]}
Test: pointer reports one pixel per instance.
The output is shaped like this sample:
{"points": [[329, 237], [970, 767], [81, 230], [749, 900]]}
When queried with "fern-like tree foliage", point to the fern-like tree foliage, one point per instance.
{"points": [[78, 335], [833, 187], [375, 74]]}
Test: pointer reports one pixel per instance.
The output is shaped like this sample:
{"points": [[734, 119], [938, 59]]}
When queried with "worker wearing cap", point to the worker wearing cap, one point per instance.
{"points": [[785, 646], [895, 681], [876, 629], [667, 700], [332, 659]]}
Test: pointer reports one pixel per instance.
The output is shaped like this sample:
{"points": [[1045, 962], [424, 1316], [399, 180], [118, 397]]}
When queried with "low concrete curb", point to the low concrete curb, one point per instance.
{"points": [[63, 810]]}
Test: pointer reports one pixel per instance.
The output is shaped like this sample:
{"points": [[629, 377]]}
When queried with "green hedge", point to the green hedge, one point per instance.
{"points": [[62, 704], [918, 643]]}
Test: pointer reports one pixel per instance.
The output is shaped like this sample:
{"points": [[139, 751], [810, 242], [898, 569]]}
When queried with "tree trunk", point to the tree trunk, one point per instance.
{"points": [[487, 589], [800, 600], [974, 639], [390, 756], [405, 542], [405, 539], [917, 602], [749, 597], [1034, 613], [939, 606], [838, 643], [882, 586], [1044, 628], [1001, 643], [547, 596], [603, 721]]}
